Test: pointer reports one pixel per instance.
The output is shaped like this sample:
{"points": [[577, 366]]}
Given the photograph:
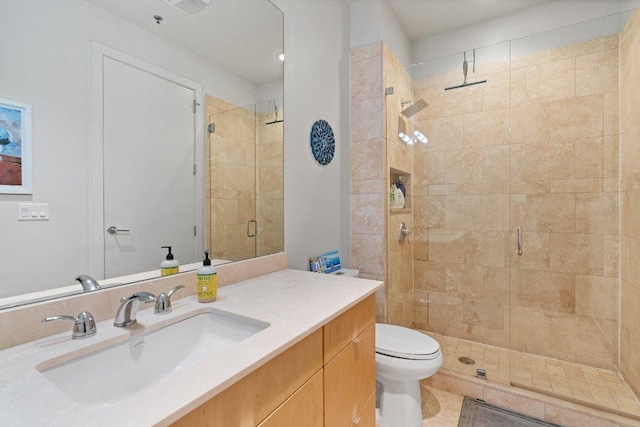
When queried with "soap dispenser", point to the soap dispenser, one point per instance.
{"points": [[169, 265], [207, 281]]}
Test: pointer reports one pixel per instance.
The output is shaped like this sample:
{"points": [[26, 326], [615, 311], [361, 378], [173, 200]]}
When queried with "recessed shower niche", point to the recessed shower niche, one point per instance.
{"points": [[402, 181]]}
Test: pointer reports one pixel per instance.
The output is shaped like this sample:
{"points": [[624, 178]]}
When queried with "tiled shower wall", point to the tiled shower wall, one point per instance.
{"points": [[270, 213], [375, 148], [230, 184], [244, 161], [630, 207], [535, 147]]}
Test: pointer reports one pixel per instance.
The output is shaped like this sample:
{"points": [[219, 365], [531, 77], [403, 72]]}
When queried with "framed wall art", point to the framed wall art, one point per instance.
{"points": [[15, 147]]}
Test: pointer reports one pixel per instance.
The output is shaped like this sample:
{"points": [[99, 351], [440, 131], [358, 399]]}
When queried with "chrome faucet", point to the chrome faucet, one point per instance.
{"points": [[88, 283], [126, 315], [163, 302], [83, 326]]}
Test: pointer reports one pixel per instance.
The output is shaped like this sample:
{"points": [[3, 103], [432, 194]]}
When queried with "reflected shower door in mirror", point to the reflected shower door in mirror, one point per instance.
{"points": [[244, 163], [54, 70]]}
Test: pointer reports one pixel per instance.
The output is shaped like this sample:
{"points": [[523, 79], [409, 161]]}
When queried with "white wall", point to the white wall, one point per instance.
{"points": [[374, 20], [316, 197], [547, 16], [46, 62]]}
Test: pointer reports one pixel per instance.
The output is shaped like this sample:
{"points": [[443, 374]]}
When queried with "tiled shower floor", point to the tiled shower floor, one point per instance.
{"points": [[574, 381]]}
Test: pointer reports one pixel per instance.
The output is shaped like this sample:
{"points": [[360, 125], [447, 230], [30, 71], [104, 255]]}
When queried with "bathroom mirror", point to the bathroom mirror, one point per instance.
{"points": [[228, 49]]}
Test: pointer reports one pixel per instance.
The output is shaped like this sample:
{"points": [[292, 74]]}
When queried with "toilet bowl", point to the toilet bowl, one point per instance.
{"points": [[403, 358]]}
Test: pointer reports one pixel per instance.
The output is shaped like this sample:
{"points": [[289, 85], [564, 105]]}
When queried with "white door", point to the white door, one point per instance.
{"points": [[149, 183]]}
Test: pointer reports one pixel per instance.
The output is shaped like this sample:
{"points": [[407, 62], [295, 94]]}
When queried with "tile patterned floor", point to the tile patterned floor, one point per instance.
{"points": [[585, 383]]}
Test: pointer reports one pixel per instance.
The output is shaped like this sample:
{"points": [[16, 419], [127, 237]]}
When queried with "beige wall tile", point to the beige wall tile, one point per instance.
{"points": [[597, 297], [551, 81], [445, 133], [597, 213], [552, 160], [611, 255], [530, 123], [588, 157], [550, 213], [367, 159], [430, 168], [591, 185], [463, 212], [487, 313], [495, 159], [464, 166], [496, 212], [367, 253], [611, 113], [367, 118], [597, 73], [518, 87], [630, 151], [543, 290], [463, 101], [577, 253], [629, 108], [367, 213], [496, 91], [611, 156], [577, 117], [486, 128]]}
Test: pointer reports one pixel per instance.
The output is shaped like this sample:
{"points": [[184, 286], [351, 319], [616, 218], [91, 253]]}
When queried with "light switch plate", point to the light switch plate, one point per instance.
{"points": [[33, 211]]}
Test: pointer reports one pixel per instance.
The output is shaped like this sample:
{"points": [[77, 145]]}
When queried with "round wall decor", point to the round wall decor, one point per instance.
{"points": [[323, 143]]}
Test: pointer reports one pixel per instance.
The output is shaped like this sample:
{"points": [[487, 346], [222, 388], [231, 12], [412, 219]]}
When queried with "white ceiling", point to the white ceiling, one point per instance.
{"points": [[241, 36], [425, 18]]}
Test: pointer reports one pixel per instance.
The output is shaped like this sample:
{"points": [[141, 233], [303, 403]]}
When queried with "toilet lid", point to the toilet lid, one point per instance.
{"points": [[397, 341]]}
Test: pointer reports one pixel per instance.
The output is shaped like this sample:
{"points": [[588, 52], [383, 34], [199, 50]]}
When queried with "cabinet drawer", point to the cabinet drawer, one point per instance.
{"points": [[349, 380], [343, 329], [253, 398], [367, 416], [304, 408]]}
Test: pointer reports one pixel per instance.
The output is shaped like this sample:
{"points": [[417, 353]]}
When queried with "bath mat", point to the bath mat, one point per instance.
{"points": [[476, 413]]}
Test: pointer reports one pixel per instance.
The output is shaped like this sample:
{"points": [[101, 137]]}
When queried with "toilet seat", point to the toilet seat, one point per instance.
{"points": [[405, 343]]}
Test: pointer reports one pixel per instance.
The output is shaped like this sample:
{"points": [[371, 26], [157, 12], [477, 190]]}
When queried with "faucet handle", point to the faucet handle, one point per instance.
{"points": [[163, 302], [84, 325]]}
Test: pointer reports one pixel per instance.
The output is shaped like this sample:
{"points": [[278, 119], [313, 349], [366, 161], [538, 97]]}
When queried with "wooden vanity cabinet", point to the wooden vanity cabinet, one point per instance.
{"points": [[349, 367], [327, 379]]}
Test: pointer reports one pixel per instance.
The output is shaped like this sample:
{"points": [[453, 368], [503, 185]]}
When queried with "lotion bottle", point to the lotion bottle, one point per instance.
{"points": [[207, 281], [169, 265]]}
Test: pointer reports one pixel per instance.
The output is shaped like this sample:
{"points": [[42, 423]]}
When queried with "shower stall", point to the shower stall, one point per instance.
{"points": [[244, 170], [519, 205]]}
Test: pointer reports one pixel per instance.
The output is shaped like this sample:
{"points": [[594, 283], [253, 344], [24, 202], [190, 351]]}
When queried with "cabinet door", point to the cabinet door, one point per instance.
{"points": [[304, 408], [350, 379], [343, 329], [367, 415], [253, 398]]}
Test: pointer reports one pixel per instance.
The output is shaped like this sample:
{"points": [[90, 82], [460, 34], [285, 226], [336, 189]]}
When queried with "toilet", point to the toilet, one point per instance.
{"points": [[403, 358]]}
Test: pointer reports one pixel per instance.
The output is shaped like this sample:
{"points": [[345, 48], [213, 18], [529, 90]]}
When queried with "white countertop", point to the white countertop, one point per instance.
{"points": [[294, 303]]}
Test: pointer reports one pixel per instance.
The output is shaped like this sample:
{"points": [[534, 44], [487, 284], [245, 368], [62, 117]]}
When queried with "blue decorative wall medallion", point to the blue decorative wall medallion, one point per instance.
{"points": [[323, 143]]}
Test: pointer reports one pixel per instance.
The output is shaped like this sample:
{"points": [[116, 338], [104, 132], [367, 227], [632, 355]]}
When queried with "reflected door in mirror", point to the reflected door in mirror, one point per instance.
{"points": [[149, 182]]}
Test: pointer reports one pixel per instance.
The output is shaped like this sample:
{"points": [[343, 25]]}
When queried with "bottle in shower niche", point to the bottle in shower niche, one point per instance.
{"points": [[207, 281]]}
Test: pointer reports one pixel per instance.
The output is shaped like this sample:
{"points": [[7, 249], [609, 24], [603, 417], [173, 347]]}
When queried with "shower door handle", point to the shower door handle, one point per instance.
{"points": [[255, 228], [519, 241]]}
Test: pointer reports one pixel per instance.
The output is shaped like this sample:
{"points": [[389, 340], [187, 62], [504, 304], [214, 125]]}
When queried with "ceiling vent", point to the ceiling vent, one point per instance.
{"points": [[188, 6]]}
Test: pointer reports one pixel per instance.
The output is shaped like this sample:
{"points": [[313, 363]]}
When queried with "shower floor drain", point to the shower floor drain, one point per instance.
{"points": [[467, 360]]}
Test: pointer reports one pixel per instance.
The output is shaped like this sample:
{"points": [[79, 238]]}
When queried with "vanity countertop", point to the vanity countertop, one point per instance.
{"points": [[294, 303]]}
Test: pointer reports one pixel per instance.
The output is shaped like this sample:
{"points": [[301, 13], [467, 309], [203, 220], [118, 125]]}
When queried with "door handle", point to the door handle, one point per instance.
{"points": [[114, 230], [519, 241], [255, 227]]}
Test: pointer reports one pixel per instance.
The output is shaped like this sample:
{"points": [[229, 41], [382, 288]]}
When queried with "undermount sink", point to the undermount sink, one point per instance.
{"points": [[110, 375]]}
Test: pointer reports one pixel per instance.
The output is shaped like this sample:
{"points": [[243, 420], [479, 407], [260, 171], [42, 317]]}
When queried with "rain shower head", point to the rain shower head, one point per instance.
{"points": [[414, 108]]}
